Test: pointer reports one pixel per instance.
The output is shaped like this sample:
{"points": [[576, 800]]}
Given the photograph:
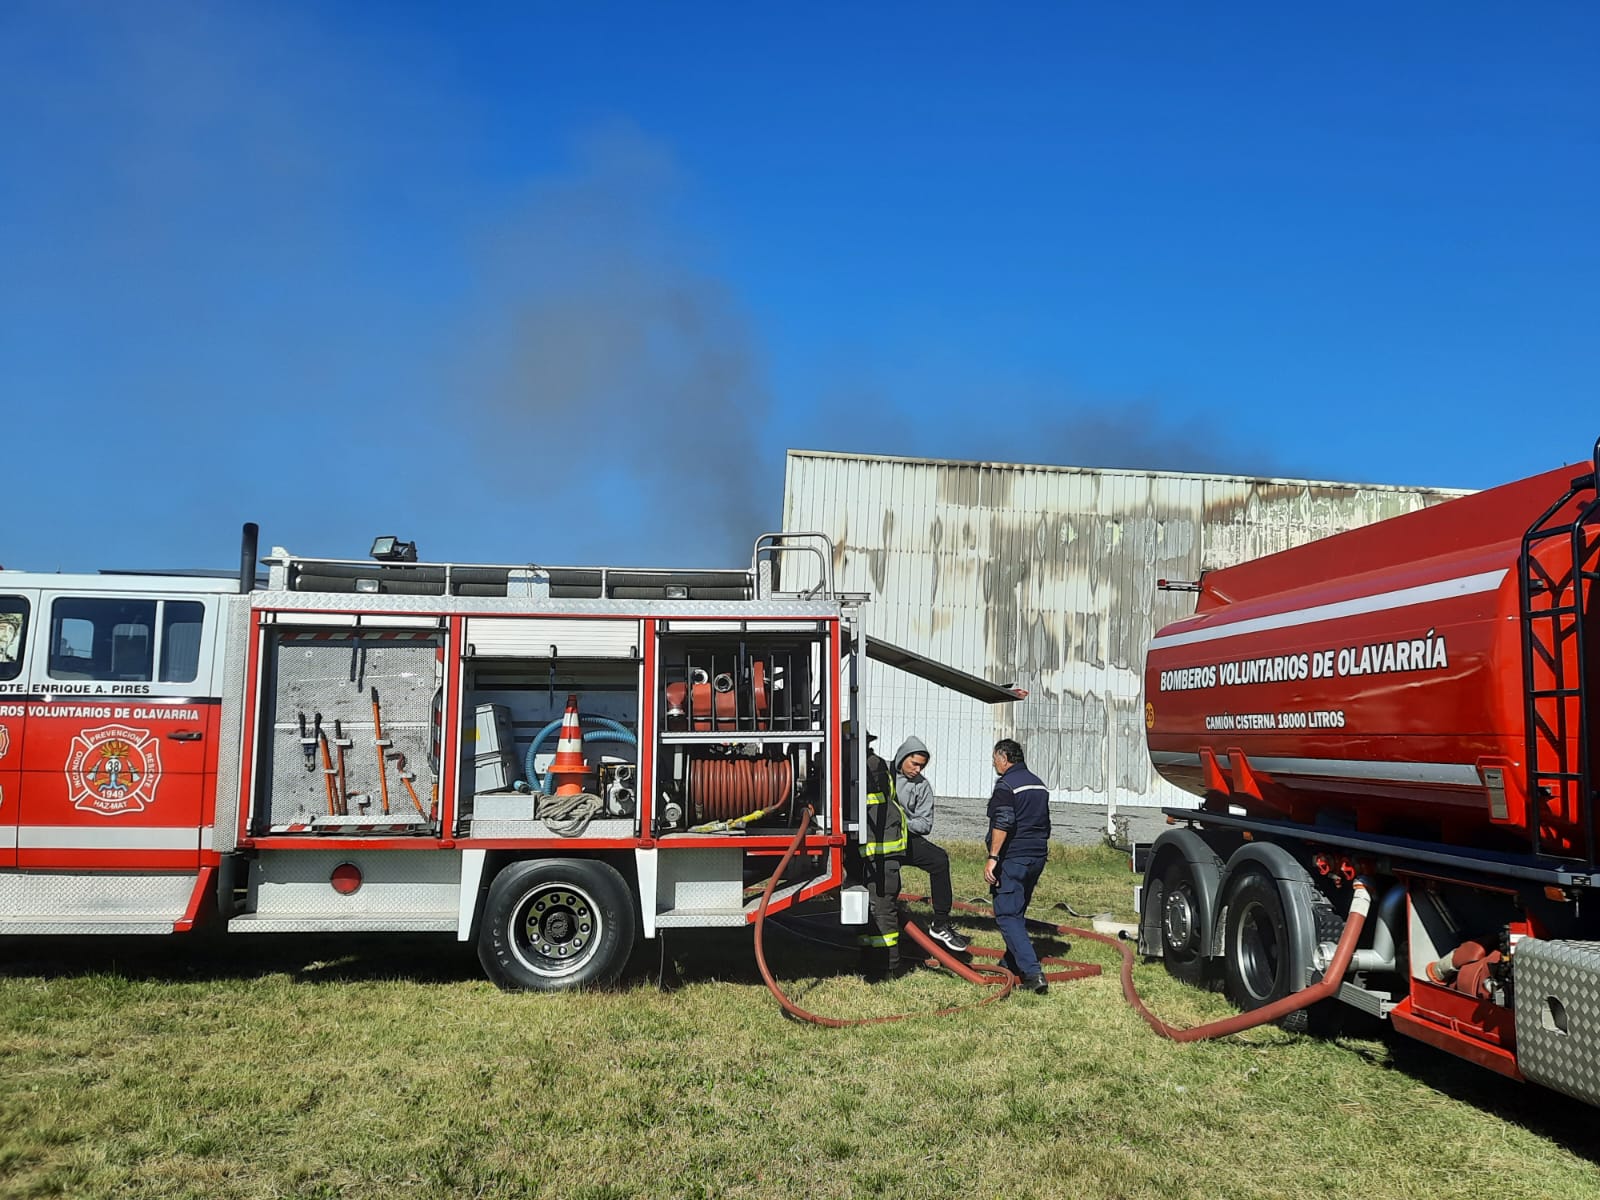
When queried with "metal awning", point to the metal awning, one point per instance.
{"points": [[944, 675]]}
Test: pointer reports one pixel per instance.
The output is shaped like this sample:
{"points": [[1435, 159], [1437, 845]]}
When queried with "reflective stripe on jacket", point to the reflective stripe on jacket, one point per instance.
{"points": [[886, 820]]}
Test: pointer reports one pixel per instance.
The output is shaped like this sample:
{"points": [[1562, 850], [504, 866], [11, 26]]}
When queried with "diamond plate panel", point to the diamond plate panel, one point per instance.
{"points": [[236, 623], [63, 903], [296, 883], [360, 923], [533, 607], [702, 880], [1558, 1015], [331, 674]]}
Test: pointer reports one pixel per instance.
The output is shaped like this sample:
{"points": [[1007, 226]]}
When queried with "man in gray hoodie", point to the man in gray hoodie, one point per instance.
{"points": [[915, 794]]}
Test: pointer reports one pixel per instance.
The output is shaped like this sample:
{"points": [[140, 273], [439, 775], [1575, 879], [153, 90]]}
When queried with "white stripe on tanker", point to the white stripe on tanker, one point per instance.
{"points": [[1466, 585]]}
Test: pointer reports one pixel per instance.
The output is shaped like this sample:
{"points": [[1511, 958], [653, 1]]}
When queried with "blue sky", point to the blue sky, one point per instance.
{"points": [[561, 282]]}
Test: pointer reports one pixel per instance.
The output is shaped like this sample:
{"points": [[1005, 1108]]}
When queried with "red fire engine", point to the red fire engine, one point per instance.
{"points": [[549, 761], [1407, 710]]}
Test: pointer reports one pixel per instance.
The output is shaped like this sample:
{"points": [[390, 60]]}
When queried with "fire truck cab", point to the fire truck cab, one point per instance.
{"points": [[551, 762]]}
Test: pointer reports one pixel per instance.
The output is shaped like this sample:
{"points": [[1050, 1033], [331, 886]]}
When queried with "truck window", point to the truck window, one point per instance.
{"points": [[101, 638], [13, 629], [181, 622]]}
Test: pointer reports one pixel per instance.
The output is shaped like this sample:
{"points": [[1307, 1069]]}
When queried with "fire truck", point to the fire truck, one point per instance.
{"points": [[550, 762], [1406, 717]]}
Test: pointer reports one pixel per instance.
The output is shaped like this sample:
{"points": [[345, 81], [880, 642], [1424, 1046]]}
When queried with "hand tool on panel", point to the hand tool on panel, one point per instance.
{"points": [[327, 763], [308, 745], [382, 744], [341, 744]]}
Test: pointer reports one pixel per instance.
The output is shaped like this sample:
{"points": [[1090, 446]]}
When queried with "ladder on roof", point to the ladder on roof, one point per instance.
{"points": [[1559, 600]]}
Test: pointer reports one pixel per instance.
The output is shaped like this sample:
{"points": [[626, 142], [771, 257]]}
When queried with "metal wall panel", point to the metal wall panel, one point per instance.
{"points": [[1043, 577]]}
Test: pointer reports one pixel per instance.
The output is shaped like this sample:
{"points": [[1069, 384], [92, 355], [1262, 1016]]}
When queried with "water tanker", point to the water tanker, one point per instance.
{"points": [[1410, 705]]}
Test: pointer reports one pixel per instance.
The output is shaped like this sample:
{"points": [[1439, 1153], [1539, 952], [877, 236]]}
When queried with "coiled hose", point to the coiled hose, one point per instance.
{"points": [[609, 731], [724, 789]]}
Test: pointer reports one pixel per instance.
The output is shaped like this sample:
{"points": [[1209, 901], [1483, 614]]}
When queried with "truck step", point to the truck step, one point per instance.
{"points": [[688, 918], [122, 923], [343, 922], [699, 918]]}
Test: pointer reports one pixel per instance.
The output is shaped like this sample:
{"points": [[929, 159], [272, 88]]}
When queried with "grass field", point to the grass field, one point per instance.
{"points": [[387, 1067]]}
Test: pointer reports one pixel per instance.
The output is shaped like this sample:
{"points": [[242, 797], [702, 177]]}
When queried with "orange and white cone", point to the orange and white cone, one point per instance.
{"points": [[569, 769]]}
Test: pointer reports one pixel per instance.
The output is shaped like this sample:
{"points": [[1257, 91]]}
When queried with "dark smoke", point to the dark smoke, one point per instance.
{"points": [[1141, 437], [1041, 425], [621, 369]]}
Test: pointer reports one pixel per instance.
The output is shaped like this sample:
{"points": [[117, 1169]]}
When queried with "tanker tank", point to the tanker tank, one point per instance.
{"points": [[1376, 680]]}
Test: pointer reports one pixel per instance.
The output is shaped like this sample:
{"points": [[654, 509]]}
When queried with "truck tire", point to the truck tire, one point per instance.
{"points": [[1256, 954], [1181, 917], [552, 925]]}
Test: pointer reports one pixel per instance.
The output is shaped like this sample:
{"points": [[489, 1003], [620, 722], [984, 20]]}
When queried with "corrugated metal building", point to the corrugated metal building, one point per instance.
{"points": [[1045, 577]]}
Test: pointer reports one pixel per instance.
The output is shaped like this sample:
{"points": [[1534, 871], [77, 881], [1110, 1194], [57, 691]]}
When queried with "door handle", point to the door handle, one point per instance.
{"points": [[185, 735]]}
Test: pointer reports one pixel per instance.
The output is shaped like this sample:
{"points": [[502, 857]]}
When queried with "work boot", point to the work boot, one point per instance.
{"points": [[1036, 984], [941, 932]]}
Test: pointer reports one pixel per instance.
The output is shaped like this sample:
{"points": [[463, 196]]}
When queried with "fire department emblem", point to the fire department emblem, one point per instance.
{"points": [[5, 740], [113, 770]]}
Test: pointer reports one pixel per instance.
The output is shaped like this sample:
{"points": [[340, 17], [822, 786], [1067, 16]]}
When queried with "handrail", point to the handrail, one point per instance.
{"points": [[774, 545]]}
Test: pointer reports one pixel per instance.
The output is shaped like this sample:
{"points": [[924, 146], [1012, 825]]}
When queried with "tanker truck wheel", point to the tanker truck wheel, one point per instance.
{"points": [[553, 925], [1259, 957], [1256, 954], [1183, 936]]}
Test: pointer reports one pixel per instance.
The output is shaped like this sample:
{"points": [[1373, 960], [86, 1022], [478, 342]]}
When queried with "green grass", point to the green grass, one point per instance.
{"points": [[268, 1067]]}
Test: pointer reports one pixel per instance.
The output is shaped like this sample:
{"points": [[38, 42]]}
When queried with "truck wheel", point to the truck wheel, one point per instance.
{"points": [[1183, 940], [1256, 951], [552, 925]]}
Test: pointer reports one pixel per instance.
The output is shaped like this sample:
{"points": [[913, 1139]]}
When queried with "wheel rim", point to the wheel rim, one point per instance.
{"points": [[556, 929], [1178, 919], [1255, 951]]}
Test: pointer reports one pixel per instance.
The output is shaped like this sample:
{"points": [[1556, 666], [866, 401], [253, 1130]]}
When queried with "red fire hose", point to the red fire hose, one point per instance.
{"points": [[997, 978], [1361, 903], [1003, 981]]}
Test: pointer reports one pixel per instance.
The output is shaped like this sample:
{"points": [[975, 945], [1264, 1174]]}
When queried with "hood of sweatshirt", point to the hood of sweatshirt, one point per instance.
{"points": [[912, 745]]}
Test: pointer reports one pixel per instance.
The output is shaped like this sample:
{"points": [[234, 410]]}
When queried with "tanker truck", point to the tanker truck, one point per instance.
{"points": [[1401, 722]]}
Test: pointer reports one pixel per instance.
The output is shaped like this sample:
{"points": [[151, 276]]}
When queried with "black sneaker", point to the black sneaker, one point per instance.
{"points": [[1036, 984], [947, 937]]}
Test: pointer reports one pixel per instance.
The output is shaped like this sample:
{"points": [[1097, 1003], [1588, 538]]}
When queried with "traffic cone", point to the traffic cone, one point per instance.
{"points": [[569, 769]]}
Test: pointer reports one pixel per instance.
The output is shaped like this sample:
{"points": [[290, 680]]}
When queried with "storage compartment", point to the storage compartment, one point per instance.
{"points": [[348, 739], [518, 693]]}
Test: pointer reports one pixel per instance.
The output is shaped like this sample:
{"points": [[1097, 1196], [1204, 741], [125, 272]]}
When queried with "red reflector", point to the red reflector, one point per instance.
{"points": [[346, 878]]}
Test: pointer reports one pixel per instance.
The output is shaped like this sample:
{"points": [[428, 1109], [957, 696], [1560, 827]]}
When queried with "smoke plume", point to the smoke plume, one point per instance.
{"points": [[620, 369]]}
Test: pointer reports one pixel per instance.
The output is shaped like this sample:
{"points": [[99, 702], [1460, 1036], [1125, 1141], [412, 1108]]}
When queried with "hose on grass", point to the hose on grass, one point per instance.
{"points": [[1321, 990], [1001, 981]]}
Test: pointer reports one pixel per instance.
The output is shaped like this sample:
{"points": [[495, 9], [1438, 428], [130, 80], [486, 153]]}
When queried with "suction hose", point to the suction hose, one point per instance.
{"points": [[609, 731]]}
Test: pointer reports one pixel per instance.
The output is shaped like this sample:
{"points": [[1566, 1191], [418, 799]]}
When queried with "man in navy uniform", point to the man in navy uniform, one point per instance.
{"points": [[1019, 844]]}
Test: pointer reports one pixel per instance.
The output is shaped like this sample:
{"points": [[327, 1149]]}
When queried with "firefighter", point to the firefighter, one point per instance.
{"points": [[915, 792], [1019, 844], [880, 870]]}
